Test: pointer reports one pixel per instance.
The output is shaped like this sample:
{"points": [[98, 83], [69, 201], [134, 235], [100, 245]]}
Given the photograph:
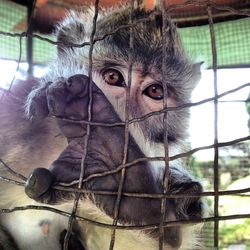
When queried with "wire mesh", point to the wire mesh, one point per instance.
{"points": [[216, 194]]}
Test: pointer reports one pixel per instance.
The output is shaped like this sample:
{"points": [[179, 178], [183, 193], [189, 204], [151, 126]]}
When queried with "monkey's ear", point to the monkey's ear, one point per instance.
{"points": [[71, 31]]}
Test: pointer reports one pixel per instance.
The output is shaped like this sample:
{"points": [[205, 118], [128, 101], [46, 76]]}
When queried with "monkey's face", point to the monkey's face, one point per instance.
{"points": [[145, 96], [111, 62], [146, 91]]}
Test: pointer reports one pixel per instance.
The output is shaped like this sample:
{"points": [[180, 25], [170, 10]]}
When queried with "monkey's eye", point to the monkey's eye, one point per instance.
{"points": [[113, 77], [154, 91]]}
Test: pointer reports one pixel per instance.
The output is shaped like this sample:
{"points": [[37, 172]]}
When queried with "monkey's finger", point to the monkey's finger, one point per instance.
{"points": [[77, 107], [69, 97], [77, 84], [67, 93], [37, 104], [38, 183], [57, 97]]}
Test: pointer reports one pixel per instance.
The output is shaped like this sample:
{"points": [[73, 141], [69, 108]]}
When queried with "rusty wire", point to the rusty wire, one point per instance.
{"points": [[122, 168]]}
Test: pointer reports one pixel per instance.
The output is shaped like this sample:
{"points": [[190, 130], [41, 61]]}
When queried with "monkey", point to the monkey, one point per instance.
{"points": [[110, 77]]}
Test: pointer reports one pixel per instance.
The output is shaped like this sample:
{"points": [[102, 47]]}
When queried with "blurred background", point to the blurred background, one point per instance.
{"points": [[22, 56]]}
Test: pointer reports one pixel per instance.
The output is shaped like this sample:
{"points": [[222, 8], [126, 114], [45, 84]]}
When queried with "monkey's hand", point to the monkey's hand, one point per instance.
{"points": [[68, 100]]}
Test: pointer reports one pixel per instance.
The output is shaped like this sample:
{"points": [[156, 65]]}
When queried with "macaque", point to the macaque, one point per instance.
{"points": [[57, 105]]}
